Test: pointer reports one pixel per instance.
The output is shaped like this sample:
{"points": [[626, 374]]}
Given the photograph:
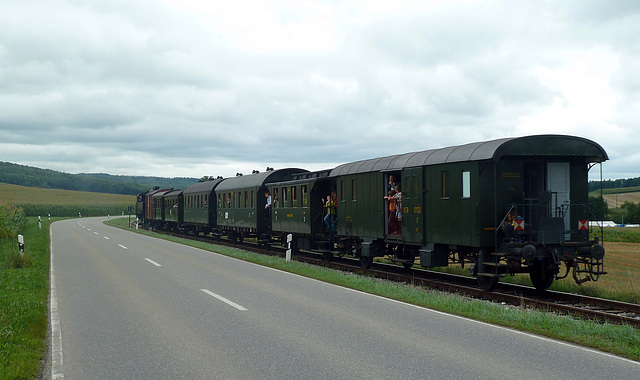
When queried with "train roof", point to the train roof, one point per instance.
{"points": [[202, 187], [538, 145], [161, 193], [173, 193], [155, 190], [257, 180]]}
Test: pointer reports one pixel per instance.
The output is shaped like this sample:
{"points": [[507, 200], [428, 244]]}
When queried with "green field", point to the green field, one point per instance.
{"points": [[43, 202]]}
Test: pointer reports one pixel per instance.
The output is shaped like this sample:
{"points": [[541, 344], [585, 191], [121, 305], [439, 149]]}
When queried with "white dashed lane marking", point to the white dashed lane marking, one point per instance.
{"points": [[153, 262], [221, 298]]}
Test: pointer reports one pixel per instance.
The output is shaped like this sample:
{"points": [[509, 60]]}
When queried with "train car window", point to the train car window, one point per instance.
{"points": [[353, 189], [305, 196], [466, 184], [246, 199], [252, 198], [284, 197], [342, 196], [445, 184], [219, 201], [294, 196], [276, 200]]}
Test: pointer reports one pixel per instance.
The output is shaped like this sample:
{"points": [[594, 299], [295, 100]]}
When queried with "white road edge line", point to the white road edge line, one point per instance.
{"points": [[106, 237], [122, 246], [153, 262], [221, 298], [54, 319]]}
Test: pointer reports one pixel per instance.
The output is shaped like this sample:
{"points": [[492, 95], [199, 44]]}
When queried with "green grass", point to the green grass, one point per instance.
{"points": [[620, 234], [620, 340], [24, 291]]}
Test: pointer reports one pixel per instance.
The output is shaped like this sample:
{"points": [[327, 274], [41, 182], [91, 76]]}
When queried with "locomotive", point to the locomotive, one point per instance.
{"points": [[504, 206]]}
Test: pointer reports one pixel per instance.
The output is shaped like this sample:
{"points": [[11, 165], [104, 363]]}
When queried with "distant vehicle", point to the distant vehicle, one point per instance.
{"points": [[505, 206]]}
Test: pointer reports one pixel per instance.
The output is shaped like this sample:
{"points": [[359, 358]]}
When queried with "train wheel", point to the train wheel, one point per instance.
{"points": [[365, 262], [327, 255], [488, 284], [541, 275]]}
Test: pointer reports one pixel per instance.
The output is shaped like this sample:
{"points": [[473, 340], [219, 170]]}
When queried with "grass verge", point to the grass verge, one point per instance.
{"points": [[616, 339], [24, 290]]}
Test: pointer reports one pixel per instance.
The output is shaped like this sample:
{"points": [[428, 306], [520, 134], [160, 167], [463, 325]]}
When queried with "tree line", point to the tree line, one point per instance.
{"points": [[22, 175], [614, 183]]}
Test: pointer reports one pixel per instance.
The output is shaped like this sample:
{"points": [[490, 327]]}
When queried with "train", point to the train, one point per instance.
{"points": [[500, 207]]}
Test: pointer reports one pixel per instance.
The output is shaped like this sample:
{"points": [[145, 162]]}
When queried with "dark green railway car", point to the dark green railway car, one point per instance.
{"points": [[299, 207], [157, 215], [146, 203], [173, 212], [200, 207], [241, 202], [456, 203]]}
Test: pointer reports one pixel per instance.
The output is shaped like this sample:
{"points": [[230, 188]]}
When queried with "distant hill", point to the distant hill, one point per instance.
{"points": [[617, 184], [146, 182], [29, 176]]}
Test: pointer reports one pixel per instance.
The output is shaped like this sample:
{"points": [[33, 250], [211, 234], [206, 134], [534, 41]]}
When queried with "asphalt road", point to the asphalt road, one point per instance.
{"points": [[127, 306]]}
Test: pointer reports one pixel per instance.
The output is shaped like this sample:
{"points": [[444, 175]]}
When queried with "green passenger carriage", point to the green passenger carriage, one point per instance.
{"points": [[241, 203], [299, 207], [173, 209], [157, 208], [200, 207], [456, 200]]}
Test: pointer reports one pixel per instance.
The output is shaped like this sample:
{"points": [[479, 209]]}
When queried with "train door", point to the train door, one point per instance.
{"points": [[412, 205], [318, 200], [547, 192], [392, 207], [558, 185]]}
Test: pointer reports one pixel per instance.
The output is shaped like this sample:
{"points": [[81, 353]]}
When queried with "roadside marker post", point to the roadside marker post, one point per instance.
{"points": [[21, 245], [289, 240]]}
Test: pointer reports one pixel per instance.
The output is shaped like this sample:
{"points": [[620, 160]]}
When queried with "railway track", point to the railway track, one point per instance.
{"points": [[585, 307]]}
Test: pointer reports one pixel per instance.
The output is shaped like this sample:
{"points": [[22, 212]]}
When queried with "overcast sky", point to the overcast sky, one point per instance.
{"points": [[205, 87]]}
